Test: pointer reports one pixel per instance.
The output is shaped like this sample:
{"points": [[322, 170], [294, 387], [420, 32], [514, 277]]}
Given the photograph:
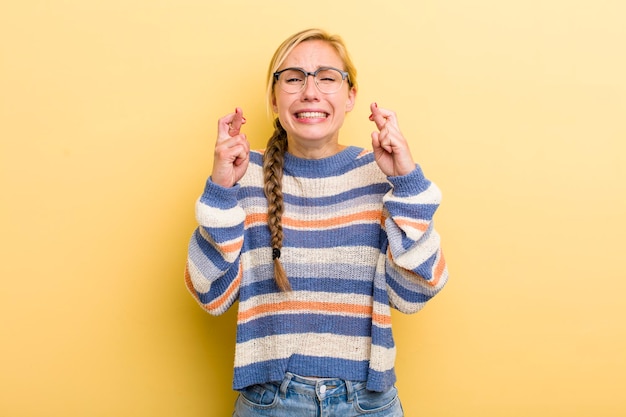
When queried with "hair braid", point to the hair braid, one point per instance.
{"points": [[273, 161]]}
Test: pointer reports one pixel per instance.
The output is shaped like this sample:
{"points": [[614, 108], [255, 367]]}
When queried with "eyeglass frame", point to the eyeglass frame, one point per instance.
{"points": [[344, 75]]}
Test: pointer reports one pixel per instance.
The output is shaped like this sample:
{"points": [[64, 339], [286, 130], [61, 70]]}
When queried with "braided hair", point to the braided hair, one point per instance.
{"points": [[273, 161]]}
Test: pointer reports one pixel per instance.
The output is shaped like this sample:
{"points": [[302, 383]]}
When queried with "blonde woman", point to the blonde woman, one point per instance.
{"points": [[317, 240]]}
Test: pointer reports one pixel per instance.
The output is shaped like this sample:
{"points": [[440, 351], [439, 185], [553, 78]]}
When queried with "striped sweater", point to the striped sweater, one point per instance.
{"points": [[356, 244]]}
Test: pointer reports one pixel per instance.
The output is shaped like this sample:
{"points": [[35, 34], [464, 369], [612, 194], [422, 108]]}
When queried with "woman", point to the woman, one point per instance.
{"points": [[316, 240]]}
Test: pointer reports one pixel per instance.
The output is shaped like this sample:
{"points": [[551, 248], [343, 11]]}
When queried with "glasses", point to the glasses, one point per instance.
{"points": [[327, 79]]}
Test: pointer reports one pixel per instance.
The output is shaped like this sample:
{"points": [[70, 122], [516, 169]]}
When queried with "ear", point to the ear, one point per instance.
{"points": [[274, 106], [351, 99]]}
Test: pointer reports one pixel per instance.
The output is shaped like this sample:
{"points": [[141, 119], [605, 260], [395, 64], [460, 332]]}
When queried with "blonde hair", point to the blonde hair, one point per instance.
{"points": [[274, 157]]}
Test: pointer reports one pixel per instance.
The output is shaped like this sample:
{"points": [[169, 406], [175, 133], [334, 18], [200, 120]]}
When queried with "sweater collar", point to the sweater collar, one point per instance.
{"points": [[323, 167]]}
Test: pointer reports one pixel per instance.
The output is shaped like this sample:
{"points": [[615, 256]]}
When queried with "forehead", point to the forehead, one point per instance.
{"points": [[313, 54]]}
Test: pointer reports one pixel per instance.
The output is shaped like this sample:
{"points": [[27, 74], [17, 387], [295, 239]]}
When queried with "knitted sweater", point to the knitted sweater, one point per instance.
{"points": [[355, 244]]}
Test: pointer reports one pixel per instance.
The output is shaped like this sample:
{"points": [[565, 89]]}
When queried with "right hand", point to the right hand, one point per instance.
{"points": [[232, 150]]}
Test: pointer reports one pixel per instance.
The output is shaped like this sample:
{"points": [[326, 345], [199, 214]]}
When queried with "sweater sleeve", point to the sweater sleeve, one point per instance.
{"points": [[212, 272], [416, 269]]}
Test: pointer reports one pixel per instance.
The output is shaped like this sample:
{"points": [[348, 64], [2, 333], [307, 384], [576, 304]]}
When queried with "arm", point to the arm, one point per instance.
{"points": [[416, 269], [212, 272]]}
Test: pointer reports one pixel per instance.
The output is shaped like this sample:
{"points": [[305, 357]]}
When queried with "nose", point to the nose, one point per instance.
{"points": [[310, 90]]}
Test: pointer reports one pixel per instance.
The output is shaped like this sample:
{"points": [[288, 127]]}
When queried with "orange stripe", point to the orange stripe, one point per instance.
{"points": [[421, 226], [256, 218], [188, 282], [381, 319], [439, 268], [304, 306], [232, 247], [370, 215]]}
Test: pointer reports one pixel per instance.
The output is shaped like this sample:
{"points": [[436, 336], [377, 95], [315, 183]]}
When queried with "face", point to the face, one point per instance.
{"points": [[312, 119]]}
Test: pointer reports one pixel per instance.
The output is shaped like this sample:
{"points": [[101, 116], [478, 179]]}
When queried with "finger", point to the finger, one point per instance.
{"points": [[375, 140], [381, 141], [241, 148], [230, 124], [385, 140], [233, 147], [380, 116], [237, 121], [241, 157]]}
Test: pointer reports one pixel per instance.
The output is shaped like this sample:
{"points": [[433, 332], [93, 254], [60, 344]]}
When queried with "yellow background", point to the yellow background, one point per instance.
{"points": [[516, 109]]}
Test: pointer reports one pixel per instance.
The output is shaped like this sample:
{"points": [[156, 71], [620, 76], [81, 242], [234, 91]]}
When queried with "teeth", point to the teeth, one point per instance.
{"points": [[311, 114]]}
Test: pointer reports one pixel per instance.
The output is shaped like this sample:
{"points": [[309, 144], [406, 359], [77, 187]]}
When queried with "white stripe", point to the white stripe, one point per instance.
{"points": [[412, 258], [215, 217], [314, 258], [359, 177], [310, 344], [334, 213], [431, 195], [199, 282], [382, 359]]}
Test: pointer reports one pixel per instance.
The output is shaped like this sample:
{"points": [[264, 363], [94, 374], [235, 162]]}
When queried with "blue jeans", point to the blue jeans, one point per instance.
{"points": [[297, 396]]}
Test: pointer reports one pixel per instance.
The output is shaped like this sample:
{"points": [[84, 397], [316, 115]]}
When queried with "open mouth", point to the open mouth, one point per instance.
{"points": [[312, 115]]}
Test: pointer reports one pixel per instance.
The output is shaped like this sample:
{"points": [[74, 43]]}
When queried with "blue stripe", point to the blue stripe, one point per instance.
{"points": [[347, 274], [379, 381], [339, 285], [266, 285], [381, 295], [208, 251], [219, 197], [336, 165], [298, 324], [354, 235], [411, 184], [256, 158], [412, 293], [413, 211], [425, 269], [382, 336], [224, 234], [256, 237], [252, 192]]}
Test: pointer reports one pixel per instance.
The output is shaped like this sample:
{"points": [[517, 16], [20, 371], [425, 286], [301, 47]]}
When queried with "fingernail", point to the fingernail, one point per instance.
{"points": [[371, 117], [376, 105]]}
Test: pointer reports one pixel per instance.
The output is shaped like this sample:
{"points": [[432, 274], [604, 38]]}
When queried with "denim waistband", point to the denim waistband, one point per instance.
{"points": [[320, 387]]}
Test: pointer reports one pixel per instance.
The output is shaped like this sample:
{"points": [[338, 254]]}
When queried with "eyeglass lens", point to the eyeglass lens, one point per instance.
{"points": [[328, 80]]}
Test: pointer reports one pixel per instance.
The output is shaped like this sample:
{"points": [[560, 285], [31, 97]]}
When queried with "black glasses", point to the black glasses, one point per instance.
{"points": [[327, 79]]}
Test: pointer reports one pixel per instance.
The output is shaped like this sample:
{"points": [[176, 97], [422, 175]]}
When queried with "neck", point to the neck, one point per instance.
{"points": [[314, 152]]}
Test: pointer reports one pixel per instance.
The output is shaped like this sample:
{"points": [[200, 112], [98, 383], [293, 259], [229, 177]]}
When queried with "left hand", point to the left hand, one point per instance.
{"points": [[391, 150]]}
